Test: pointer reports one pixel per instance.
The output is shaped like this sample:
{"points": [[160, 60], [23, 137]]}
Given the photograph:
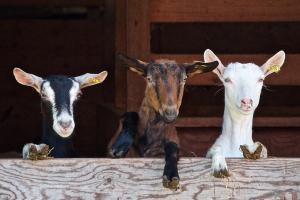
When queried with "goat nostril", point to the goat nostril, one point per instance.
{"points": [[247, 102], [65, 124]]}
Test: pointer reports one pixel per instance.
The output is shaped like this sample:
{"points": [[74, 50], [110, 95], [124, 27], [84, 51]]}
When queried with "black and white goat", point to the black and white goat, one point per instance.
{"points": [[58, 94]]}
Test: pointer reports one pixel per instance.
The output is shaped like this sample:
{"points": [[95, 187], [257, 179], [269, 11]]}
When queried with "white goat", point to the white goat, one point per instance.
{"points": [[243, 83]]}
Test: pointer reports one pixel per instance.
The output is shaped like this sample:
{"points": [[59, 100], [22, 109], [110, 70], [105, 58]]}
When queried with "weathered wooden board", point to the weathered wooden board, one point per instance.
{"points": [[141, 179], [223, 10]]}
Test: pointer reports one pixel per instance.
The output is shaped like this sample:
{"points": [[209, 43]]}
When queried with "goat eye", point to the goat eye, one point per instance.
{"points": [[149, 79], [79, 95], [43, 95], [227, 80], [183, 80]]}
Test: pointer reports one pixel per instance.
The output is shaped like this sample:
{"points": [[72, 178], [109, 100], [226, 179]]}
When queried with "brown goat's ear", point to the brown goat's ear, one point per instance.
{"points": [[200, 67], [27, 79], [134, 65], [88, 79]]}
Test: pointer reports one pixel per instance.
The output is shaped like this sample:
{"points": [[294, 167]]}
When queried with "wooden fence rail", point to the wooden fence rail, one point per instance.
{"points": [[273, 178]]}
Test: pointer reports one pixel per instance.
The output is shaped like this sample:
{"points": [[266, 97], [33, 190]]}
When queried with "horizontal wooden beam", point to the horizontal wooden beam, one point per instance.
{"points": [[258, 122], [223, 10], [51, 3], [289, 75], [273, 178]]}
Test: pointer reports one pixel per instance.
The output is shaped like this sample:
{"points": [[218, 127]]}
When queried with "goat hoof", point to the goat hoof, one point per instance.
{"points": [[171, 184], [36, 152], [254, 154], [223, 173], [116, 154]]}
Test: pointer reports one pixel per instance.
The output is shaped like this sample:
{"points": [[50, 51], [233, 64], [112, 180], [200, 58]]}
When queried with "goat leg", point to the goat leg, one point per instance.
{"points": [[170, 176], [219, 165], [126, 135]]}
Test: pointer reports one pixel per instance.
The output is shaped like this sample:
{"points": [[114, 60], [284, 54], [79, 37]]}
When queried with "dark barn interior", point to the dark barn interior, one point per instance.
{"points": [[76, 37]]}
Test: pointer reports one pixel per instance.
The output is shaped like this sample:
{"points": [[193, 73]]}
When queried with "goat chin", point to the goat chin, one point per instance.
{"points": [[246, 111], [63, 133]]}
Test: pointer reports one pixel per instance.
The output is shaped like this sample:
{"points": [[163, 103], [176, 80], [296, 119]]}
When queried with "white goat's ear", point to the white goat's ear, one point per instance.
{"points": [[274, 63], [209, 56], [27, 79], [88, 79]]}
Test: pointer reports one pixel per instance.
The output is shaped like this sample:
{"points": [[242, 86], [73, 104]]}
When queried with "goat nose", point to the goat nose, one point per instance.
{"points": [[65, 124], [247, 101], [170, 112]]}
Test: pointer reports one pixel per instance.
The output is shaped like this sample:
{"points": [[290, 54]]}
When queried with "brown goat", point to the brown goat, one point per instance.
{"points": [[150, 133]]}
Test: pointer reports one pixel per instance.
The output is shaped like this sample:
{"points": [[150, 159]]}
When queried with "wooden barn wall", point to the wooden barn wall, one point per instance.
{"points": [[43, 41], [40, 38], [225, 37]]}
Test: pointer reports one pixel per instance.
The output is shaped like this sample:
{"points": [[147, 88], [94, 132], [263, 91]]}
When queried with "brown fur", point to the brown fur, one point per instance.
{"points": [[152, 130]]}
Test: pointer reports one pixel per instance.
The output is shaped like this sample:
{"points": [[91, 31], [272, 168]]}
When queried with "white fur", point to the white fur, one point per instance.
{"points": [[241, 81]]}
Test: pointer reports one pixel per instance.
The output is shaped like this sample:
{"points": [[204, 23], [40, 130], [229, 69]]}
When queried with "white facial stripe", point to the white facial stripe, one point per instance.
{"points": [[73, 93], [64, 116], [49, 92]]}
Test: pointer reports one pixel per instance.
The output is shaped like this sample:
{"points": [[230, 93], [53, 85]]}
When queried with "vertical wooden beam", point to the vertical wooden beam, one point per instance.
{"points": [[121, 47], [109, 47], [138, 46], [105, 122]]}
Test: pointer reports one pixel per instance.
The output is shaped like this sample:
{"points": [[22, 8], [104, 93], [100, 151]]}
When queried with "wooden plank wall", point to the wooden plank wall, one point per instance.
{"points": [[220, 10], [141, 179]]}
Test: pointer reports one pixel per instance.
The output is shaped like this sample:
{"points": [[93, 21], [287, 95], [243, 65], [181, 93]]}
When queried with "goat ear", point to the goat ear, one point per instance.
{"points": [[88, 79], [200, 67], [274, 63], [27, 79], [134, 65], [209, 56]]}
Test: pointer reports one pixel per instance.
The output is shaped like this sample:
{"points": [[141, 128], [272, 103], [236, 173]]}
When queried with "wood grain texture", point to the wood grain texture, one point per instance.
{"points": [[141, 179], [223, 10]]}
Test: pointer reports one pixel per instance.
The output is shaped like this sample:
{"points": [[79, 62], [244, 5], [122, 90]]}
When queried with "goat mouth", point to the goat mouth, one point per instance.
{"points": [[169, 120], [64, 133], [245, 110]]}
